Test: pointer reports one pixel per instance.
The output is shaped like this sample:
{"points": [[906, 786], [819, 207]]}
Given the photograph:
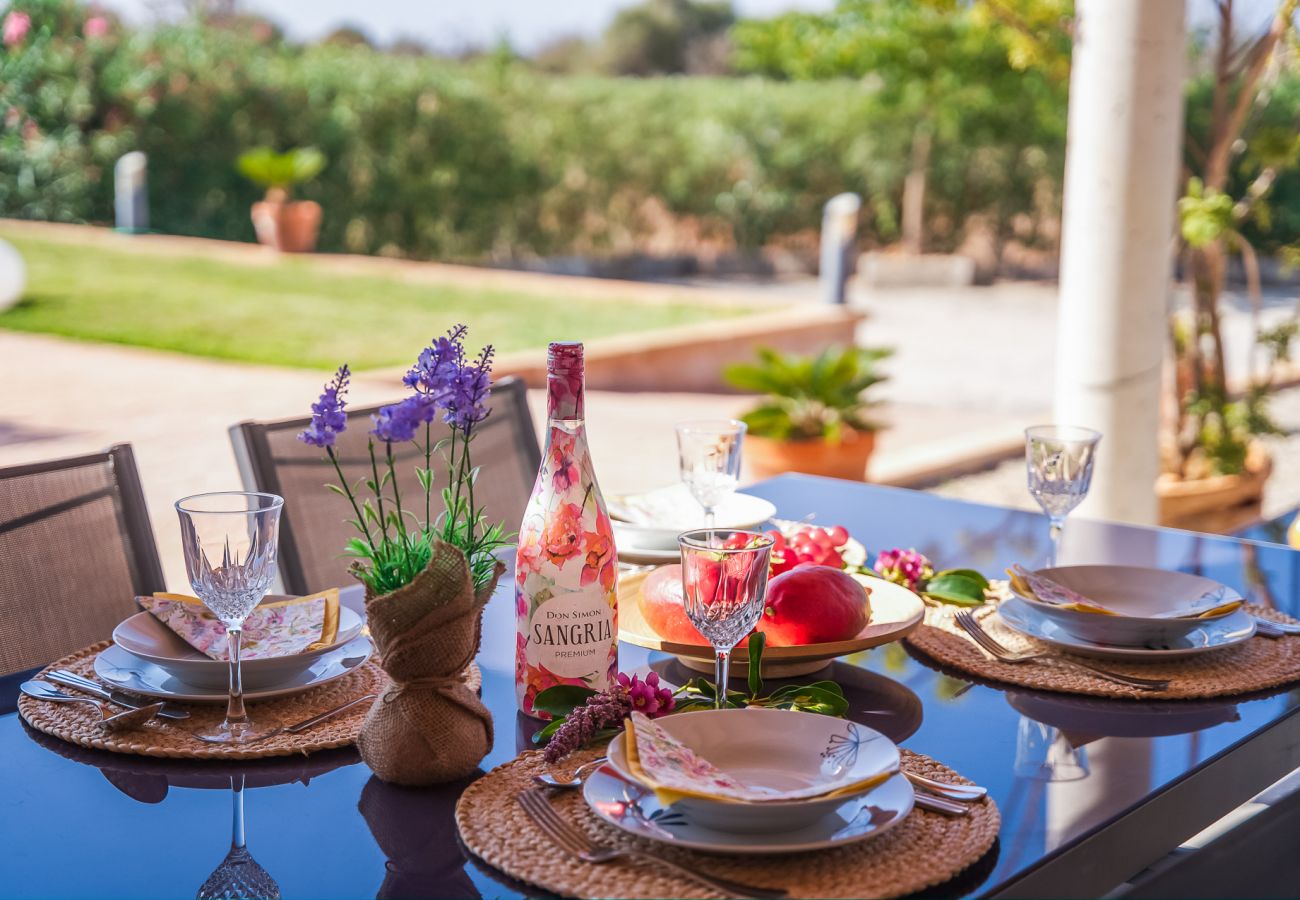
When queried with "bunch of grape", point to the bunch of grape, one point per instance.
{"points": [[809, 545]]}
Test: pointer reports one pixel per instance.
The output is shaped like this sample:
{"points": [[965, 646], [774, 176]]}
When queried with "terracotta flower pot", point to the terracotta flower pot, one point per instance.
{"points": [[1218, 504], [290, 226], [846, 459]]}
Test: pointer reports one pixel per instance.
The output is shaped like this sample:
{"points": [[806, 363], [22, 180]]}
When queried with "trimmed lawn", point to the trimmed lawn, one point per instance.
{"points": [[291, 314]]}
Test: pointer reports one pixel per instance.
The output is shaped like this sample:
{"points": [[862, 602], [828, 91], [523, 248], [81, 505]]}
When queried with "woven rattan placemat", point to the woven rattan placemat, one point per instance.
{"points": [[78, 723], [1259, 664], [924, 850]]}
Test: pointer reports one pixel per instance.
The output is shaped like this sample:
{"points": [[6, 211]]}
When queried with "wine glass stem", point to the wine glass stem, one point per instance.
{"points": [[235, 707], [709, 517], [1054, 530], [237, 839], [721, 665]]}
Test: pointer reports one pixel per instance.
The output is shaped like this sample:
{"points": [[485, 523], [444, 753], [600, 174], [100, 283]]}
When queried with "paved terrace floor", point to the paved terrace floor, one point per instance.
{"points": [[62, 398]]}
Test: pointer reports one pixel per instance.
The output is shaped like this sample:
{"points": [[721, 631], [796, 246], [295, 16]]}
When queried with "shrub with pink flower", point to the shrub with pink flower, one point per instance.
{"points": [[16, 26], [906, 567], [95, 27]]}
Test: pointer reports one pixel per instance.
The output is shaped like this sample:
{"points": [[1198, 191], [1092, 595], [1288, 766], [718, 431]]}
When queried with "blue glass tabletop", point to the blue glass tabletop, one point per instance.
{"points": [[1090, 791]]}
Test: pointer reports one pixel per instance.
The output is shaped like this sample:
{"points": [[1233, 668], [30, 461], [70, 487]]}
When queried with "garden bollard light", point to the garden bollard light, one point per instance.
{"points": [[839, 234], [131, 197]]}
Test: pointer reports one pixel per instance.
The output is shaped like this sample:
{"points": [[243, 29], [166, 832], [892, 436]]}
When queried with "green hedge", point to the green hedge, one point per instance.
{"points": [[490, 160]]}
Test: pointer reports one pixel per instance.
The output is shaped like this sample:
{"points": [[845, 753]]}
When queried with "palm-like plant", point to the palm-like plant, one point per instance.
{"points": [[280, 171], [810, 397]]}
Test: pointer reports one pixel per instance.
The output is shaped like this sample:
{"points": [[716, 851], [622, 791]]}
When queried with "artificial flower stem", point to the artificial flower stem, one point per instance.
{"points": [[379, 492], [397, 496], [343, 482], [473, 518], [428, 471]]}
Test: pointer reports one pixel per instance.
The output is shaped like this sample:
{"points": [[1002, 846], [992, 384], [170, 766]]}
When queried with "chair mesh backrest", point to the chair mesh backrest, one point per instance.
{"points": [[314, 530], [75, 550]]}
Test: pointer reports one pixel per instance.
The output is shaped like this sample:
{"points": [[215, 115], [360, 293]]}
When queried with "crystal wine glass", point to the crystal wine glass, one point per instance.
{"points": [[724, 583], [229, 539], [1058, 459], [239, 877], [709, 457]]}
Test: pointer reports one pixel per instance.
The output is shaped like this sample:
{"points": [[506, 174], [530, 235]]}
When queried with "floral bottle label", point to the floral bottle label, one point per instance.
{"points": [[565, 600]]}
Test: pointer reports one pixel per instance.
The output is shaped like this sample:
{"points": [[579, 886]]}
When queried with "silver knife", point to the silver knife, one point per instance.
{"points": [[121, 698]]}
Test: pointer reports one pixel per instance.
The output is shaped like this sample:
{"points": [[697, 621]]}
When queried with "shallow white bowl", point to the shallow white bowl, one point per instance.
{"points": [[742, 511], [145, 637], [1138, 595], [776, 748]]}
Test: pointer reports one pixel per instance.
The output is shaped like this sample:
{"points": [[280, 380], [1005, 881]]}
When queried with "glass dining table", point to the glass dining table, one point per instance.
{"points": [[1090, 791]]}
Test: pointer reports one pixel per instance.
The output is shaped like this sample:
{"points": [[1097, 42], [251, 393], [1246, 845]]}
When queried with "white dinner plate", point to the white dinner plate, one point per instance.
{"points": [[144, 636], [125, 670], [1207, 637], [628, 806]]}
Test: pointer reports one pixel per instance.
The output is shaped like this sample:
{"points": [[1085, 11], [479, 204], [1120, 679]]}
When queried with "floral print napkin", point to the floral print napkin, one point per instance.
{"points": [[282, 627]]}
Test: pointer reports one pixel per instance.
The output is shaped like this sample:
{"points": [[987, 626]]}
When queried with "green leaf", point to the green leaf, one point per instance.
{"points": [[968, 573], [561, 699], [757, 641], [960, 590], [541, 737]]}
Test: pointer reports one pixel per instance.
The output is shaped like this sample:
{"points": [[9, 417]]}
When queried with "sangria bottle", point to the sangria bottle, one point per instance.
{"points": [[566, 570]]}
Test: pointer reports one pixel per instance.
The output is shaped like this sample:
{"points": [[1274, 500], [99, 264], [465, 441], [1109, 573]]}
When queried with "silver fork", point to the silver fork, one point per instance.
{"points": [[578, 845], [985, 640]]}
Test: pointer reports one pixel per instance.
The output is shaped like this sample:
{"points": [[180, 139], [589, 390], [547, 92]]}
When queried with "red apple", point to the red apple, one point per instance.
{"points": [[660, 602], [813, 604]]}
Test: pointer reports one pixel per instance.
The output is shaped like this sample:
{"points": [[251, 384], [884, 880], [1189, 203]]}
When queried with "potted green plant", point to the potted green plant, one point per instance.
{"points": [[287, 225], [813, 417], [1215, 466]]}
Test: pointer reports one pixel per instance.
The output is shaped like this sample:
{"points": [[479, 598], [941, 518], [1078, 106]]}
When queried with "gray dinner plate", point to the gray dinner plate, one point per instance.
{"points": [[117, 666]]}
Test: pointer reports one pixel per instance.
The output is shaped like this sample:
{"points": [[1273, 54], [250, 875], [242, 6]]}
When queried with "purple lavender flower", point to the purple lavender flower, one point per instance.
{"points": [[438, 363], [467, 393], [328, 420], [604, 710], [399, 422]]}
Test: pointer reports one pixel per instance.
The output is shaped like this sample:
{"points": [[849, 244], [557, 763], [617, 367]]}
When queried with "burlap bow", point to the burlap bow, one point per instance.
{"points": [[428, 727]]}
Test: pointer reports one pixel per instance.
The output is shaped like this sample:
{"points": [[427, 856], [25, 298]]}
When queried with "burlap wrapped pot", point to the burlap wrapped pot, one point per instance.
{"points": [[428, 727]]}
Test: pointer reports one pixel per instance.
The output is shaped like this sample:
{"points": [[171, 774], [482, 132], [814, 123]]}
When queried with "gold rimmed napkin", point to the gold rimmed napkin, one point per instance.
{"points": [[673, 770], [275, 628]]}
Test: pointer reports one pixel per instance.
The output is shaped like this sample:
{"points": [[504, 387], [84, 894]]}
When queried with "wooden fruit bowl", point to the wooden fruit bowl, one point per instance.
{"points": [[895, 613]]}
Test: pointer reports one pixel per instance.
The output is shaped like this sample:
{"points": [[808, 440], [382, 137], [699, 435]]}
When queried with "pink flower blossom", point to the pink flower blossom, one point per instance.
{"points": [[906, 567], [17, 24], [646, 696], [95, 27]]}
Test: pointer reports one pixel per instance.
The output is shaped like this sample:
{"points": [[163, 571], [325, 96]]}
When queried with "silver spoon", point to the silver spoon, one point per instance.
{"points": [[131, 718], [546, 779]]}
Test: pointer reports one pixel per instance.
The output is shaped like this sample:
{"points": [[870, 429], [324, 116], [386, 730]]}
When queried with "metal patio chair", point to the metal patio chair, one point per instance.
{"points": [[76, 548]]}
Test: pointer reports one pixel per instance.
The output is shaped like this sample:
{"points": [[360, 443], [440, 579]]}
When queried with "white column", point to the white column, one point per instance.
{"points": [[1121, 168]]}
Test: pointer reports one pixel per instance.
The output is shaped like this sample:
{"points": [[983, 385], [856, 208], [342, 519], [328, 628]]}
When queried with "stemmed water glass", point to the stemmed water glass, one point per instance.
{"points": [[229, 539], [1058, 460], [709, 458], [239, 876], [724, 584]]}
